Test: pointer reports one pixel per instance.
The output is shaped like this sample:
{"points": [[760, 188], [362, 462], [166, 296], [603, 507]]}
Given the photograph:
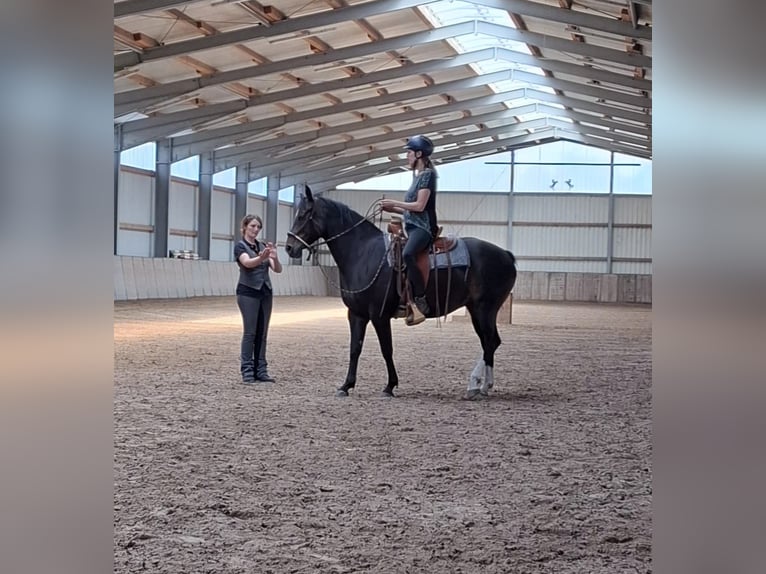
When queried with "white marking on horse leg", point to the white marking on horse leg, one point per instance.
{"points": [[489, 380], [473, 393], [476, 375]]}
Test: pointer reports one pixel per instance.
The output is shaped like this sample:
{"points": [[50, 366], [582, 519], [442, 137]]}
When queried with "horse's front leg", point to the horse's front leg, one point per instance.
{"points": [[383, 330], [358, 327], [476, 381], [482, 377]]}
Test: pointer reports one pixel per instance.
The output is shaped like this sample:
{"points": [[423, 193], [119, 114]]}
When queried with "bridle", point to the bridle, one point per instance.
{"points": [[312, 249]]}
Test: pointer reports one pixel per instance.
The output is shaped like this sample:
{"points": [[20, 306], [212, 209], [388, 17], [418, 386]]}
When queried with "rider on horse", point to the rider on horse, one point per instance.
{"points": [[419, 212]]}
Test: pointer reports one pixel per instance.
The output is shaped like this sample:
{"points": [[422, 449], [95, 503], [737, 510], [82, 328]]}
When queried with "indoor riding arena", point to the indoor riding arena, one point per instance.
{"points": [[533, 127], [550, 474]]}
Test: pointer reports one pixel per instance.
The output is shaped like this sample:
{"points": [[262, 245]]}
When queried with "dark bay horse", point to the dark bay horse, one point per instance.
{"points": [[368, 290]]}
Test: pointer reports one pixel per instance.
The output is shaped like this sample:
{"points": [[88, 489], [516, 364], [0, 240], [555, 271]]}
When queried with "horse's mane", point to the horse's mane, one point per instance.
{"points": [[347, 216]]}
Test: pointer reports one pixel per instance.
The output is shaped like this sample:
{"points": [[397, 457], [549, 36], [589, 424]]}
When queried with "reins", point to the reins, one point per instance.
{"points": [[313, 248]]}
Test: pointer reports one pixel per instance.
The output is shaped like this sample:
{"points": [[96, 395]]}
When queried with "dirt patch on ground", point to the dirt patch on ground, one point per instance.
{"points": [[551, 474]]}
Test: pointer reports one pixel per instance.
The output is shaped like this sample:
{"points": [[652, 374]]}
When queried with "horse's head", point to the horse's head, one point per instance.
{"points": [[305, 230]]}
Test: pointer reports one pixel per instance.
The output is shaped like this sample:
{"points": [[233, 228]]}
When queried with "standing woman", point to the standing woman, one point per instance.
{"points": [[419, 213], [254, 298]]}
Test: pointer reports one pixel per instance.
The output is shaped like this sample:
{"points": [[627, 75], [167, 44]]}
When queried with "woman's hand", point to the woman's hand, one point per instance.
{"points": [[271, 250], [274, 261], [387, 204], [392, 206]]}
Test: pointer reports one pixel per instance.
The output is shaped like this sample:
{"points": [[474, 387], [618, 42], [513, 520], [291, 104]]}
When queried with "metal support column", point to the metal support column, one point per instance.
{"points": [[510, 202], [240, 197], [272, 207], [204, 207], [117, 154], [610, 218], [162, 198]]}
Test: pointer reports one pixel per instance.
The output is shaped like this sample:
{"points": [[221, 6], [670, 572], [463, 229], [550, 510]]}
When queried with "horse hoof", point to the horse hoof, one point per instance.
{"points": [[341, 393], [388, 395], [474, 395]]}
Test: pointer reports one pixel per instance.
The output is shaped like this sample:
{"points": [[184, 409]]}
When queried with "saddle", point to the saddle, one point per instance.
{"points": [[440, 244]]}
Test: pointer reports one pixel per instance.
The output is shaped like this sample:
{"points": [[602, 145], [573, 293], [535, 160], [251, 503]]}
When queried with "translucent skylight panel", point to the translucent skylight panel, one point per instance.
{"points": [[448, 12]]}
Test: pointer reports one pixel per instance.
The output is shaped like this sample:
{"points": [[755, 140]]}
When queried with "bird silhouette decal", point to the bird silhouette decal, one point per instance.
{"points": [[569, 183], [553, 183]]}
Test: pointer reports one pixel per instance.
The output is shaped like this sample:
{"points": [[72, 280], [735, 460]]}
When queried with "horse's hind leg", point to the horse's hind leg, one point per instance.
{"points": [[482, 379], [358, 327], [383, 330]]}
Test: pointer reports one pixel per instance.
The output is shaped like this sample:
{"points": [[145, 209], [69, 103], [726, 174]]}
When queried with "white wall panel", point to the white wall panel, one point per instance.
{"points": [[633, 209], [135, 207], [182, 243], [497, 234], [182, 216], [623, 267], [561, 266], [222, 212], [284, 223], [257, 206], [561, 208], [222, 224], [221, 250], [135, 203], [182, 213], [137, 243], [560, 241], [632, 242], [472, 207]]}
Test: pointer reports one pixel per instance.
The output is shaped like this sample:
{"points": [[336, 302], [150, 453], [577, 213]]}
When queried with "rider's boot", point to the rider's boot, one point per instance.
{"points": [[422, 304]]}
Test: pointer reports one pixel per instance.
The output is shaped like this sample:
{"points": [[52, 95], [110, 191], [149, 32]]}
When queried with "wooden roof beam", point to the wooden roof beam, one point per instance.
{"points": [[201, 68], [136, 41], [204, 28], [266, 15]]}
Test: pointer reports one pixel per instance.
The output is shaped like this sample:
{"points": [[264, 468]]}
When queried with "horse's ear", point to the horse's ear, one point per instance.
{"points": [[309, 197]]}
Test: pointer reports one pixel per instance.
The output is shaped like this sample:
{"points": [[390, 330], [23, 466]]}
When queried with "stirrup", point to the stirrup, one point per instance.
{"points": [[414, 316]]}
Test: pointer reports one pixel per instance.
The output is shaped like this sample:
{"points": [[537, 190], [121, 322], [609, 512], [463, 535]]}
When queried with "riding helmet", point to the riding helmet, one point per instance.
{"points": [[421, 144]]}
